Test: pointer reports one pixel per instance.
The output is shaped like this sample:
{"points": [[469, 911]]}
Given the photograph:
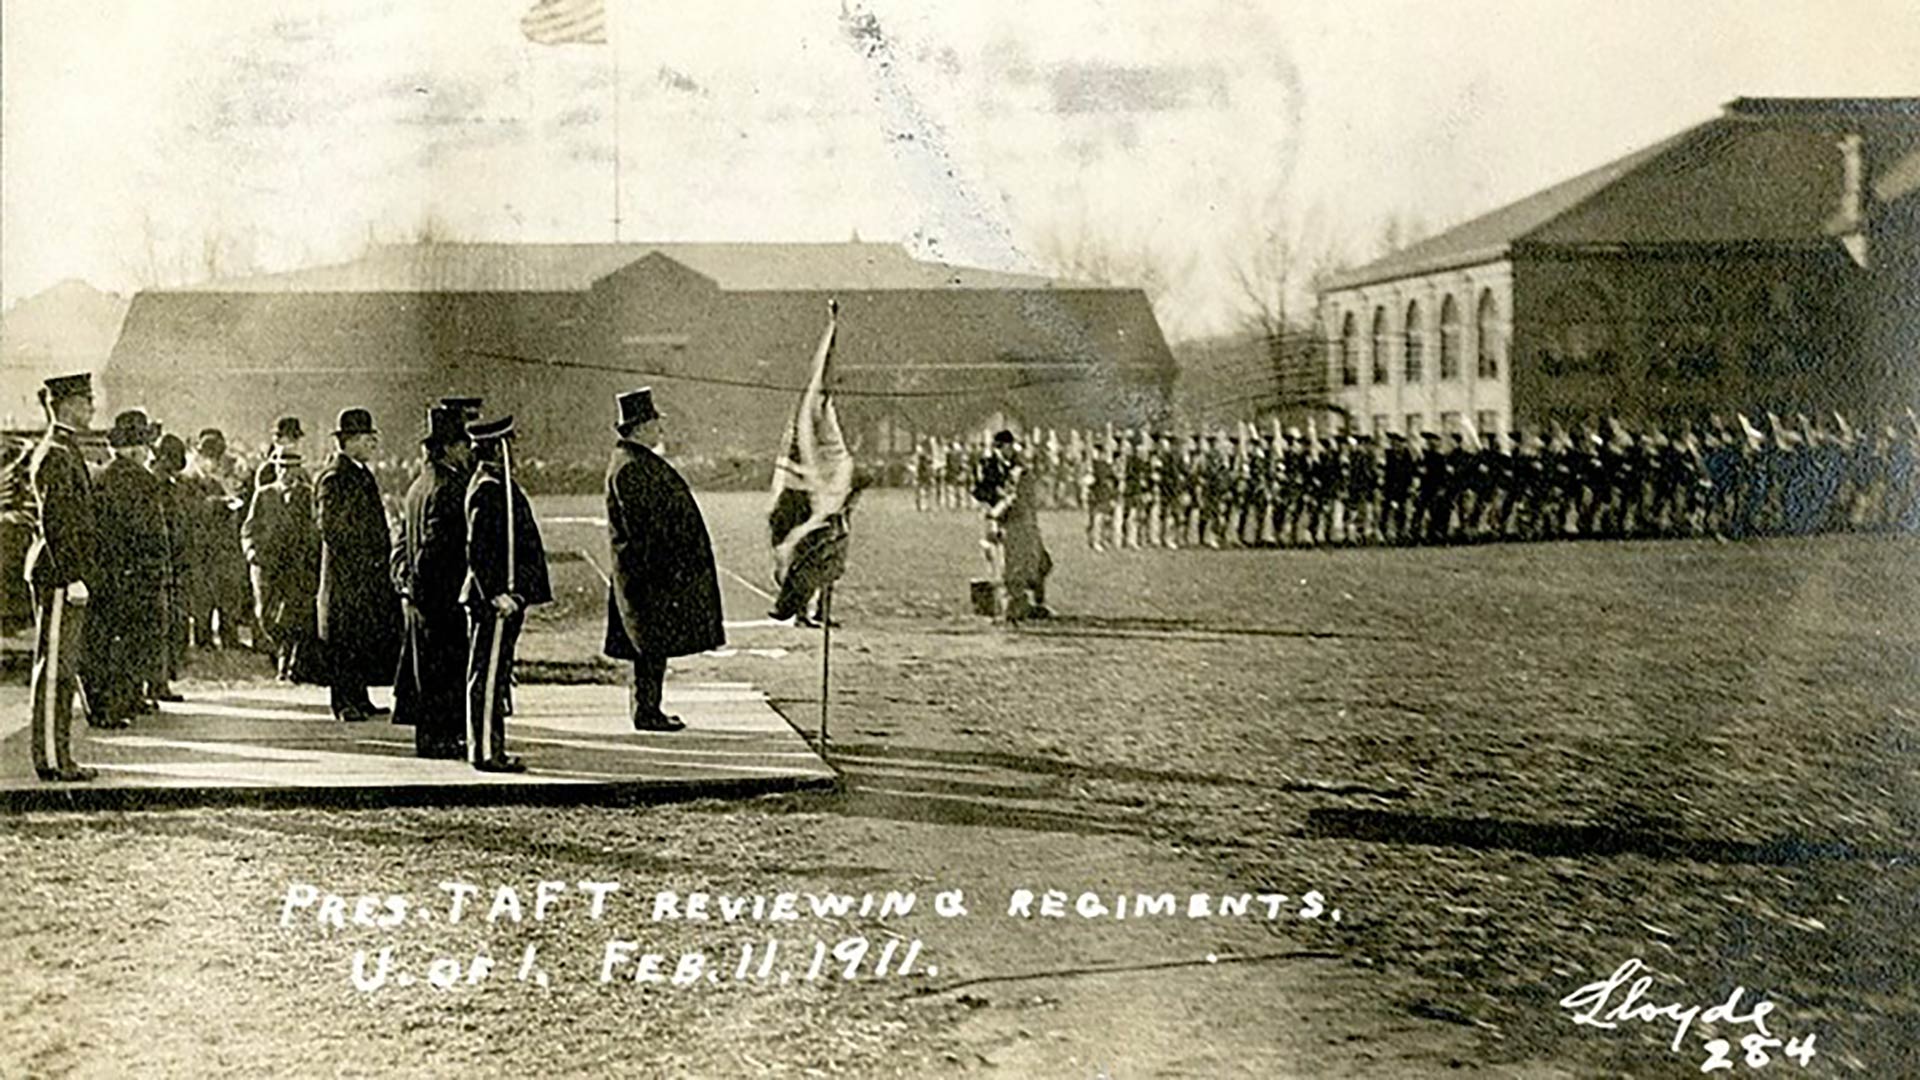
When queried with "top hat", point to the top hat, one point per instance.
{"points": [[130, 428], [486, 430], [636, 407], [288, 427], [66, 386], [354, 422], [468, 408], [445, 425]]}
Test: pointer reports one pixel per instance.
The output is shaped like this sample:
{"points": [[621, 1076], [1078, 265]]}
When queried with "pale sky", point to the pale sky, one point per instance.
{"points": [[136, 133]]}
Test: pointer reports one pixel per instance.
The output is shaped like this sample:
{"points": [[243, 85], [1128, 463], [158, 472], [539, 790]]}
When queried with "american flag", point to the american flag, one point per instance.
{"points": [[813, 479], [566, 22]]}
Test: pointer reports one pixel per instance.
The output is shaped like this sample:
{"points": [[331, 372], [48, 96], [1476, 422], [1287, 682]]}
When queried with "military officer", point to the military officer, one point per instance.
{"points": [[60, 563], [506, 575]]}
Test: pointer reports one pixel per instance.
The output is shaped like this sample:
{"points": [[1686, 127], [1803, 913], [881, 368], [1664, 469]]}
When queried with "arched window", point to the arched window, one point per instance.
{"points": [[1449, 339], [1379, 345], [1415, 361], [1487, 337], [1350, 351]]}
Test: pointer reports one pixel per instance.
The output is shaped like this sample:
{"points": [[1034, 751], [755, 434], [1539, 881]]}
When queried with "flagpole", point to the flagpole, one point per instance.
{"points": [[613, 45], [826, 660]]}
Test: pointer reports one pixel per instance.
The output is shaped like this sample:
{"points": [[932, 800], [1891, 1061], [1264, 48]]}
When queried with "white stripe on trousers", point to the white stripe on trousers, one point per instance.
{"points": [[53, 683], [485, 741]]}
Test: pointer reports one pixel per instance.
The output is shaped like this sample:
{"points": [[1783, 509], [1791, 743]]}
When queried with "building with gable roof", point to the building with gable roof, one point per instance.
{"points": [[724, 332], [1762, 261]]}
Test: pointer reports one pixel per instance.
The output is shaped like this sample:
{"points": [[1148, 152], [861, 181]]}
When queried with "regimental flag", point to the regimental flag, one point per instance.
{"points": [[566, 22], [812, 480]]}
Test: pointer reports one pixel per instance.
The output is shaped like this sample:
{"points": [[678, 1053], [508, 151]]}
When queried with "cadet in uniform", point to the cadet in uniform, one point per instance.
{"points": [[506, 575], [60, 562]]}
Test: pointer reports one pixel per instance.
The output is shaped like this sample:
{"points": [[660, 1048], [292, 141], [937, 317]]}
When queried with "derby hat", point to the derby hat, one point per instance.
{"points": [[130, 428], [355, 422], [288, 427], [488, 430], [445, 426], [636, 407]]}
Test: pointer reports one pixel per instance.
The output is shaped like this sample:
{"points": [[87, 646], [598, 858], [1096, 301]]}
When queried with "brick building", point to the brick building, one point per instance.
{"points": [[724, 332], [1765, 260]]}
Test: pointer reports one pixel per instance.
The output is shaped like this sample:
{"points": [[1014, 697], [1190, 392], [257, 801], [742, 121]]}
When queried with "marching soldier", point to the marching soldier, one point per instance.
{"points": [[429, 571], [60, 562], [1103, 492], [506, 575]]}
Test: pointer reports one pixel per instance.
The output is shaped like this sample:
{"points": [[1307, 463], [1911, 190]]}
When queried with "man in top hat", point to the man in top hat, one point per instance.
{"points": [[506, 575], [664, 599], [60, 564], [287, 435], [358, 611], [429, 569], [127, 631]]}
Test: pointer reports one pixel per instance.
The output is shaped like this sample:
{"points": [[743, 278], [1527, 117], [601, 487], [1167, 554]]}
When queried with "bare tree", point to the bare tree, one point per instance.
{"points": [[1287, 255], [1079, 253]]}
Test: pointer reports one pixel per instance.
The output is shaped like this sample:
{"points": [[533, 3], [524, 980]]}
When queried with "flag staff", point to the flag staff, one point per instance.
{"points": [[826, 660], [613, 45]]}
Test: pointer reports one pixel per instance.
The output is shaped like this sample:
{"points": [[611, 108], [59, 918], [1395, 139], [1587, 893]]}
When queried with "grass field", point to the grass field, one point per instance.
{"points": [[1511, 767]]}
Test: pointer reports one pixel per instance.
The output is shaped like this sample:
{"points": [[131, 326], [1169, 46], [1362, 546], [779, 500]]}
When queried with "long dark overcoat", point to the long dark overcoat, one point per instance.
{"points": [[429, 565], [358, 611], [664, 599]]}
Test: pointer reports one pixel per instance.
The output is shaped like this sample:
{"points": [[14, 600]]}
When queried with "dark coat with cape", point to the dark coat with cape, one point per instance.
{"points": [[429, 565], [664, 599], [359, 613]]}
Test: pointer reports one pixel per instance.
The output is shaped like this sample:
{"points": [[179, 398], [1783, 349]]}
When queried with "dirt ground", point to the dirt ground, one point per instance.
{"points": [[1510, 768]]}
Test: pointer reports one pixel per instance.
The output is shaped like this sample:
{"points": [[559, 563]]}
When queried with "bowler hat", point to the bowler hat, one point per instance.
{"points": [[130, 428], [487, 430], [288, 427], [66, 386], [636, 407], [354, 422], [445, 426]]}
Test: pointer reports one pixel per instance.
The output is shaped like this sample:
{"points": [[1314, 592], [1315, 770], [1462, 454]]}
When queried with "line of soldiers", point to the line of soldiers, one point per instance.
{"points": [[1248, 489]]}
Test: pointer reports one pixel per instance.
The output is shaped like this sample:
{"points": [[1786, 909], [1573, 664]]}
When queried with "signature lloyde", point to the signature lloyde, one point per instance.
{"points": [[1591, 999]]}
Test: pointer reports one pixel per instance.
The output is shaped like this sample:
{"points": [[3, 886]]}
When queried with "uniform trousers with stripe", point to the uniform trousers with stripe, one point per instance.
{"points": [[491, 641], [58, 646]]}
